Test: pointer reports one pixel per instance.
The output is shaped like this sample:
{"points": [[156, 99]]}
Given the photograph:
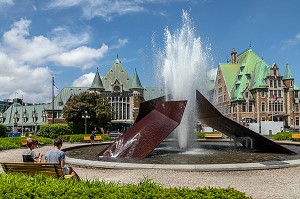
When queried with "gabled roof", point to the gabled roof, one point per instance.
{"points": [[28, 110], [63, 96], [249, 71], [117, 71], [136, 83], [97, 83], [287, 73]]}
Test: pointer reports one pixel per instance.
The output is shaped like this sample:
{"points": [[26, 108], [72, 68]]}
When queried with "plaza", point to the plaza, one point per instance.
{"points": [[268, 183]]}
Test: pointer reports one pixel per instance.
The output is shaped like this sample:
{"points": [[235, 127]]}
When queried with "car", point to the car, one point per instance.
{"points": [[115, 134]]}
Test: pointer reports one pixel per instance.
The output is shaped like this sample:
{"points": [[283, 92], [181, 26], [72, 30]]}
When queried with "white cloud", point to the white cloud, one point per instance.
{"points": [[121, 43], [63, 48], [6, 3], [104, 9], [292, 42], [85, 80], [80, 56], [33, 83], [24, 59]]}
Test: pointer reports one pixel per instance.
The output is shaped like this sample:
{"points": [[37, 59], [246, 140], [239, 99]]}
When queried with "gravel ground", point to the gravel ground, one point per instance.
{"points": [[271, 184]]}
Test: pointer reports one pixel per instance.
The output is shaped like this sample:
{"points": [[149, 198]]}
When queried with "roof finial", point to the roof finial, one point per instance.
{"points": [[250, 44], [97, 69], [117, 56]]}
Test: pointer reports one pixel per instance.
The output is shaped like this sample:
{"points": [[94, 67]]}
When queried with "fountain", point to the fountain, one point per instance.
{"points": [[183, 64]]}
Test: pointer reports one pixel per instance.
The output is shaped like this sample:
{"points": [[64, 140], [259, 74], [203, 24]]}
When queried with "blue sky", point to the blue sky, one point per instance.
{"points": [[69, 39]]}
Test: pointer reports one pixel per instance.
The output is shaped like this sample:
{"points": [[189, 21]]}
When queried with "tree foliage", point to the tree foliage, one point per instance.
{"points": [[3, 130], [96, 106]]}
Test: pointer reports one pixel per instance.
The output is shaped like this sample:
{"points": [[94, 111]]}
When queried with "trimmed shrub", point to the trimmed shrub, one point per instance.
{"points": [[16, 142], [54, 130], [3, 130], [41, 186], [282, 136]]}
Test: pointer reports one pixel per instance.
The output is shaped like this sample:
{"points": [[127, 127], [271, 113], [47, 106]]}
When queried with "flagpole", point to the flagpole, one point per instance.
{"points": [[52, 100], [22, 116]]}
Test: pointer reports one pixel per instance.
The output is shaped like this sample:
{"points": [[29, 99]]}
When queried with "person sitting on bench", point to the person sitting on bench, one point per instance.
{"points": [[55, 155], [29, 155]]}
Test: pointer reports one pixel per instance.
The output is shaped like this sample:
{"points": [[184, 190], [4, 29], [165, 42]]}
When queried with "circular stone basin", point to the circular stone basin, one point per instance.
{"points": [[199, 153]]}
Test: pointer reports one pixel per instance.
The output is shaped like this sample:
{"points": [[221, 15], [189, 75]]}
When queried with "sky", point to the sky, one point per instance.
{"points": [[70, 39]]}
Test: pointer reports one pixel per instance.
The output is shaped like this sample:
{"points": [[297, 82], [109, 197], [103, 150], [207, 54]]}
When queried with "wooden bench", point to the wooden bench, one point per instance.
{"points": [[97, 138], [295, 136], [213, 135], [50, 169]]}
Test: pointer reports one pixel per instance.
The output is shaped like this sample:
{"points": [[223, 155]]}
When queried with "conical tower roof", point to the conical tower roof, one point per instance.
{"points": [[136, 83], [287, 73], [97, 83]]}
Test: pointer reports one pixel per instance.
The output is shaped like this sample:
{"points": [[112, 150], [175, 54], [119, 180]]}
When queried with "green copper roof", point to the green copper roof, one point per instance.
{"points": [[287, 73], [249, 71], [117, 72], [62, 97], [28, 111], [97, 83], [136, 83], [259, 76]]}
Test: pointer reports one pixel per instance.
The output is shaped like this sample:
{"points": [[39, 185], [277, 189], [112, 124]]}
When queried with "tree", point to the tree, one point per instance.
{"points": [[96, 106], [3, 130]]}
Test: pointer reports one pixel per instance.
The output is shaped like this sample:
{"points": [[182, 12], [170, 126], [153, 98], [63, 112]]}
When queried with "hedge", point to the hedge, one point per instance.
{"points": [[40, 186]]}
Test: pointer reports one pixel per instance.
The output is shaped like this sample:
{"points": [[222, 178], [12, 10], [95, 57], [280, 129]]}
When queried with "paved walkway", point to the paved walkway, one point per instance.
{"points": [[273, 183]]}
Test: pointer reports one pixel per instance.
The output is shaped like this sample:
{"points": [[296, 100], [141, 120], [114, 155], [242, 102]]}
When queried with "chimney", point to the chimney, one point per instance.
{"points": [[233, 56]]}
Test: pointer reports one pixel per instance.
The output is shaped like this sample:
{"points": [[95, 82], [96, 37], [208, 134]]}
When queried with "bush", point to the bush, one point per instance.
{"points": [[80, 137], [3, 130], [54, 130], [16, 142], [282, 136], [41, 186]]}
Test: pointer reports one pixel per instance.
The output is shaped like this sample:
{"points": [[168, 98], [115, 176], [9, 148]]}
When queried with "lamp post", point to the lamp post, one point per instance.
{"points": [[85, 116]]}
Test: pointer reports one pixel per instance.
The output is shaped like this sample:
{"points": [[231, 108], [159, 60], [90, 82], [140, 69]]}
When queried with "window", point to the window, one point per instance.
{"points": [[297, 121], [250, 107], [246, 95], [279, 94], [271, 94], [243, 107], [275, 84], [271, 83], [279, 83], [220, 90], [262, 93], [296, 94], [291, 83], [263, 107]]}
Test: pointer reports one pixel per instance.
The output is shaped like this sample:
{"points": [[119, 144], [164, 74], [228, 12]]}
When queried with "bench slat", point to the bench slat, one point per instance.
{"points": [[296, 135], [33, 168], [214, 135], [97, 137]]}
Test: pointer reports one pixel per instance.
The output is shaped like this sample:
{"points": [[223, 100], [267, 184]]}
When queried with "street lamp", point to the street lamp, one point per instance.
{"points": [[85, 116]]}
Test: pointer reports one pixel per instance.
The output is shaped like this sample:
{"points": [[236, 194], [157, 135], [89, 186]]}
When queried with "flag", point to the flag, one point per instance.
{"points": [[22, 101], [274, 97]]}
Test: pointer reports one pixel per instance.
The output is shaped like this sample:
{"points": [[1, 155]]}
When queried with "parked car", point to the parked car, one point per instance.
{"points": [[115, 134]]}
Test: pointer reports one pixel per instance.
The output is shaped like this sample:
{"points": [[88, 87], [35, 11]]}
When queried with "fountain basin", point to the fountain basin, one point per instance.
{"points": [[278, 160]]}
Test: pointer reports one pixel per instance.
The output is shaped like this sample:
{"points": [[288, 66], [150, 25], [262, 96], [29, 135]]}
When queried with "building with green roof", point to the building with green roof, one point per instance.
{"points": [[123, 93], [247, 89]]}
